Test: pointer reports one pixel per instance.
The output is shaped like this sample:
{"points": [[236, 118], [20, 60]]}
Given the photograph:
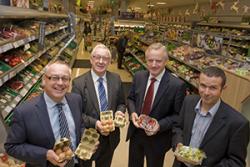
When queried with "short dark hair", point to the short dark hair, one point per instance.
{"points": [[214, 71]]}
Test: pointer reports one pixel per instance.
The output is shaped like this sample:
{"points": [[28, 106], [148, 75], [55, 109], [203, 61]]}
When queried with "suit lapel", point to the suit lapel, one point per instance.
{"points": [[163, 87], [43, 116], [110, 92], [190, 121], [215, 126], [72, 109], [92, 93], [142, 88]]}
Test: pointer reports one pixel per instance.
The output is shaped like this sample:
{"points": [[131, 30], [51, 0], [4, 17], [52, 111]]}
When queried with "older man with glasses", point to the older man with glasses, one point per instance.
{"points": [[101, 90], [37, 124]]}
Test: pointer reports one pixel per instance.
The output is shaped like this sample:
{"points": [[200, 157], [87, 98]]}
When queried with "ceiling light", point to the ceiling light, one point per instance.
{"points": [[137, 8], [161, 3], [151, 5]]}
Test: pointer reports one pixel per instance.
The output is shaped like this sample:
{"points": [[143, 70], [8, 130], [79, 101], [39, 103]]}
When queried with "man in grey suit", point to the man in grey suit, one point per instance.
{"points": [[36, 124], [88, 86], [208, 123], [164, 106]]}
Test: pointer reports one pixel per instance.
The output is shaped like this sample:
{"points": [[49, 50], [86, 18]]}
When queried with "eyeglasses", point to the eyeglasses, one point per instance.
{"points": [[98, 57], [56, 78]]}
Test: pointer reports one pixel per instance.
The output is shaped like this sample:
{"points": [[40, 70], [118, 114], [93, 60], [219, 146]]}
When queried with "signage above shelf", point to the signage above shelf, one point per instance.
{"points": [[7, 12]]}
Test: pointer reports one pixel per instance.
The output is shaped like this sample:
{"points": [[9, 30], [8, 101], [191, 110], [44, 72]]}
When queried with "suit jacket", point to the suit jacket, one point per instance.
{"points": [[30, 135], [225, 142], [165, 109], [84, 86]]}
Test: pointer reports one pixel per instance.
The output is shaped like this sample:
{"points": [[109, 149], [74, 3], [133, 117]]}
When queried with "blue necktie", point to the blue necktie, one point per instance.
{"points": [[102, 95], [64, 130]]}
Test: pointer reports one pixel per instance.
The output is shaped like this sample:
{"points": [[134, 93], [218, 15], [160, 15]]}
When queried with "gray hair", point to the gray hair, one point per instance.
{"points": [[57, 62], [157, 46], [100, 46]]}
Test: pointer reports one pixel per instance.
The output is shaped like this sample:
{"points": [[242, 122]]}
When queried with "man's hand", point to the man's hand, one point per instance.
{"points": [[134, 117], [101, 128], [154, 131], [53, 158], [120, 113]]}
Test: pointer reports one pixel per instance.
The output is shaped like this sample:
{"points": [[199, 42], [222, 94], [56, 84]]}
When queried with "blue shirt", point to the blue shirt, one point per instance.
{"points": [[201, 123], [54, 119]]}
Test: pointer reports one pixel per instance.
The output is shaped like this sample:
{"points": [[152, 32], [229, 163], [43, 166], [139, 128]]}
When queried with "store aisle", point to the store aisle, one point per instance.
{"points": [[81, 66]]}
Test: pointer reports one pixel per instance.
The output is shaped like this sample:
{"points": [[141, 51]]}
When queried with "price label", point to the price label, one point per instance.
{"points": [[182, 58], [187, 78], [17, 99], [8, 109], [16, 44], [13, 104], [12, 74], [5, 78], [26, 47], [37, 76], [29, 85], [1, 82], [4, 101], [32, 38], [23, 92], [6, 47]]}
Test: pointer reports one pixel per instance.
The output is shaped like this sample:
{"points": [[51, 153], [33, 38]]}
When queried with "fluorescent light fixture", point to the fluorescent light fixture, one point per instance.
{"points": [[151, 5], [91, 1], [161, 3], [137, 8]]}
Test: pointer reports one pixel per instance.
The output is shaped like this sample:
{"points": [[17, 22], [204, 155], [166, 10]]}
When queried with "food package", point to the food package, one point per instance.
{"points": [[7, 161], [63, 150], [146, 122], [88, 144], [107, 121], [186, 154], [120, 121]]}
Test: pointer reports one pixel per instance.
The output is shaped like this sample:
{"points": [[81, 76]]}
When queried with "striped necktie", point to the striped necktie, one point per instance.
{"points": [[102, 95], [64, 130]]}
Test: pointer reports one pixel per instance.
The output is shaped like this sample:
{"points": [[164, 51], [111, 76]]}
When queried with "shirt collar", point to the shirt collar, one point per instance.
{"points": [[212, 110], [51, 103], [159, 77], [96, 77]]}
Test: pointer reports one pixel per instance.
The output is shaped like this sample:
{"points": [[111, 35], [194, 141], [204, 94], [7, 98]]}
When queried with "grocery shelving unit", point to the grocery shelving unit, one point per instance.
{"points": [[32, 55], [188, 69]]}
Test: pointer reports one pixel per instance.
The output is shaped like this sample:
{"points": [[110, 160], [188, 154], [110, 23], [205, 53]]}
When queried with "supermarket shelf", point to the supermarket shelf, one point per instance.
{"points": [[223, 35], [130, 71], [13, 71], [6, 113], [225, 25], [237, 45], [7, 12], [17, 43], [10, 106], [138, 59], [184, 62], [185, 78]]}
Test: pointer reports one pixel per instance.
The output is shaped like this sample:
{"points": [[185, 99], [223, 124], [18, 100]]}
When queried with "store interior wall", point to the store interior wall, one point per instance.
{"points": [[205, 7]]}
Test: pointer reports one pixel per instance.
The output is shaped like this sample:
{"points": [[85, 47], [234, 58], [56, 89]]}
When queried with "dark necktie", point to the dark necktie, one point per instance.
{"points": [[148, 98], [64, 130], [102, 95]]}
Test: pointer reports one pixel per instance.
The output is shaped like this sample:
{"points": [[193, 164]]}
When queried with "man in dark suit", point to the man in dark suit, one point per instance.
{"points": [[121, 45], [168, 94], [36, 124], [87, 86], [208, 123]]}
